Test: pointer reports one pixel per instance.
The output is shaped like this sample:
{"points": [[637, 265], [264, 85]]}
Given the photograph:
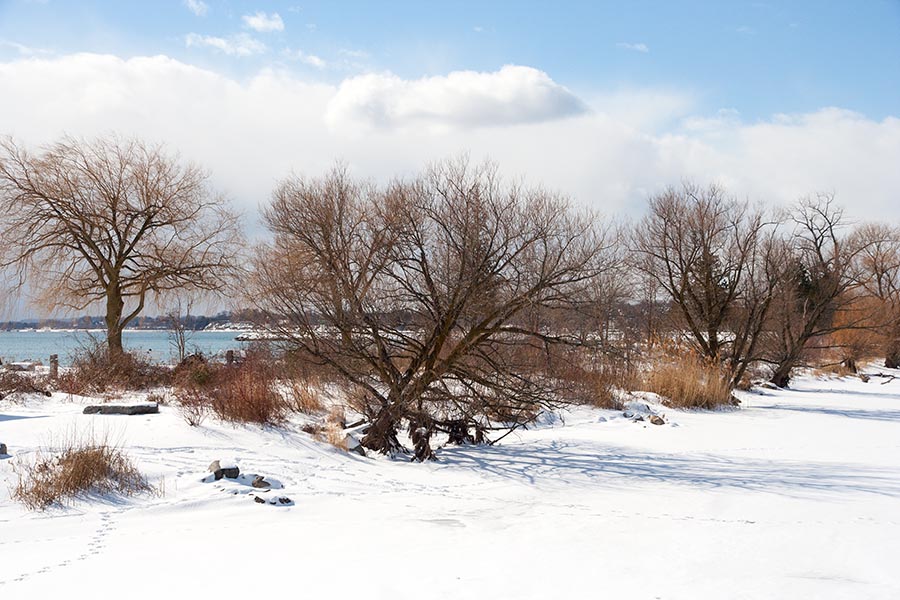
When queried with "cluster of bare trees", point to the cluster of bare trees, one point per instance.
{"points": [[453, 301], [748, 288]]}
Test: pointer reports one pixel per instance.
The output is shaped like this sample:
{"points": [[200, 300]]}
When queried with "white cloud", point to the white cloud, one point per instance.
{"points": [[308, 59], [514, 94], [236, 45], [636, 47], [198, 7], [253, 132], [357, 54], [264, 23], [645, 109], [22, 49]]}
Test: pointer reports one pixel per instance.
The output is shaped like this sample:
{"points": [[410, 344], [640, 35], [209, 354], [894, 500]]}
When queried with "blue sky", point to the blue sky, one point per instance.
{"points": [[759, 58], [605, 102]]}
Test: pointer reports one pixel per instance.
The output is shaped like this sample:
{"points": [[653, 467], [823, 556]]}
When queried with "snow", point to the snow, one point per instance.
{"points": [[795, 495]]}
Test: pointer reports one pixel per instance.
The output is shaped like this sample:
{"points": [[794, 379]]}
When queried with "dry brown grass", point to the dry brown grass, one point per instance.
{"points": [[79, 469], [193, 406], [598, 387], [686, 380], [334, 434], [15, 386], [94, 371], [303, 396], [332, 430]]}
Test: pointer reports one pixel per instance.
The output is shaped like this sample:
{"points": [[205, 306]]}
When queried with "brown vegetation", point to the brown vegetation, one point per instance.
{"points": [[95, 371], [687, 380], [79, 468], [17, 385], [246, 392]]}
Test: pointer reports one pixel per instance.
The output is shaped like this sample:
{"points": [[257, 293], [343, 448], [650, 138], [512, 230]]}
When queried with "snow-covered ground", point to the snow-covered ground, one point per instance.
{"points": [[796, 495]]}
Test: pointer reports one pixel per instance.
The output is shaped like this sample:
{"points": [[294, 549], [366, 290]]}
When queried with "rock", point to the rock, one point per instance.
{"points": [[638, 418], [229, 471], [628, 414], [260, 482], [192, 361], [358, 449], [122, 409], [354, 446], [657, 420], [258, 500], [284, 500], [3, 449], [864, 377]]}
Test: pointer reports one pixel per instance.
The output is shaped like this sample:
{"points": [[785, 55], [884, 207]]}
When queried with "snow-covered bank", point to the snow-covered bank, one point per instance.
{"points": [[797, 495]]}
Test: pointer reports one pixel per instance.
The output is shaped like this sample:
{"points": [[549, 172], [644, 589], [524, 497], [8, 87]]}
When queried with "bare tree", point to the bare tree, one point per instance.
{"points": [[179, 332], [422, 293], [111, 221], [820, 282], [716, 261], [880, 264]]}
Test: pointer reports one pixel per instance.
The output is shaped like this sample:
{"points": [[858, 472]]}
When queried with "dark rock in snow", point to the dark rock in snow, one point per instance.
{"points": [[121, 409], [260, 482], [258, 500], [3, 449], [657, 420], [218, 471]]}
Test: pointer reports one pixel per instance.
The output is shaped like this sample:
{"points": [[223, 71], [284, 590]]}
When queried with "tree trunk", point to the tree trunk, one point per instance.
{"points": [[382, 434], [458, 432], [420, 430], [114, 307], [782, 375], [892, 354]]}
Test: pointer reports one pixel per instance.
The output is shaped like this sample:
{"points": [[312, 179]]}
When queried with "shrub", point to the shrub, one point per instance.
{"points": [[94, 371], [79, 468], [260, 389], [303, 396], [15, 385], [687, 380], [247, 393], [193, 406]]}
